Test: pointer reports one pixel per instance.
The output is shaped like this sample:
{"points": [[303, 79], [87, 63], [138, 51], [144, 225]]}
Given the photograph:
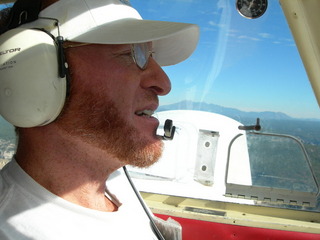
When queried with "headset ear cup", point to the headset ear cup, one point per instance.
{"points": [[31, 92]]}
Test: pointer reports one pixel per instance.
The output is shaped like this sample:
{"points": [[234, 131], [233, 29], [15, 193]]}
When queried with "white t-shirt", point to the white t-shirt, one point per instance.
{"points": [[29, 211]]}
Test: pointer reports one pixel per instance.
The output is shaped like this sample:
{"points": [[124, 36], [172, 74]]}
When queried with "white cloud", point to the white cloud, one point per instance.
{"points": [[214, 24], [265, 35], [248, 38]]}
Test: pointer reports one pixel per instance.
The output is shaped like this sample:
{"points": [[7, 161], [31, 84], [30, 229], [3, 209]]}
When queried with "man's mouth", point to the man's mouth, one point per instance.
{"points": [[145, 113]]}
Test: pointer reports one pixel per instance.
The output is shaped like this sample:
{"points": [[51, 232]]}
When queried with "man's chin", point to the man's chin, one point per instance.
{"points": [[146, 156]]}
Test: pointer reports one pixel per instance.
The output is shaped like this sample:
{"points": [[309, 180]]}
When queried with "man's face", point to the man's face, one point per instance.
{"points": [[110, 102]]}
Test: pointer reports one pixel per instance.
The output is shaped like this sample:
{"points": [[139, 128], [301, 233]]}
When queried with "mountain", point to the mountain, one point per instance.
{"points": [[229, 112]]}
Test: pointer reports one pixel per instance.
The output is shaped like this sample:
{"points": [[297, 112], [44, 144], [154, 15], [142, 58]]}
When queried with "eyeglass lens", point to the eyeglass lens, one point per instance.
{"points": [[141, 54]]}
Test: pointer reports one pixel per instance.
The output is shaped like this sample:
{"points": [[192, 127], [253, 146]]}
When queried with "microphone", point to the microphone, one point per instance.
{"points": [[169, 130]]}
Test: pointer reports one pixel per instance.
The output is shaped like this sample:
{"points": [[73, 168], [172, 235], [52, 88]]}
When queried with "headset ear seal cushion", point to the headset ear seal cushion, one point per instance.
{"points": [[31, 91]]}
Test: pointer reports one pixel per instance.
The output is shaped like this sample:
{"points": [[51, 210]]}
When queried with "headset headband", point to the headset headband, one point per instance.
{"points": [[22, 12]]}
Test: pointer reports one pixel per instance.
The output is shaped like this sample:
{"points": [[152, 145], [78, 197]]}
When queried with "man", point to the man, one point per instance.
{"points": [[66, 181]]}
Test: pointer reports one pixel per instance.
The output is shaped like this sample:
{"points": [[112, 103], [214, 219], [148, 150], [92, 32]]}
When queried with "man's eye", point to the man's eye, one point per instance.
{"points": [[124, 54], [124, 57]]}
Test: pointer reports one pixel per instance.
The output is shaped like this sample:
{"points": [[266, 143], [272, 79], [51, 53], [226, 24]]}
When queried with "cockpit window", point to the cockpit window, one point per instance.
{"points": [[246, 69]]}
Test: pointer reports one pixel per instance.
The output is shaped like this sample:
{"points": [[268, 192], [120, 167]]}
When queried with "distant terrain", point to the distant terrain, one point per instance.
{"points": [[229, 112]]}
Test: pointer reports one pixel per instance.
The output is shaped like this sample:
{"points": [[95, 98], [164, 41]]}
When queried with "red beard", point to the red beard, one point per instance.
{"points": [[99, 123]]}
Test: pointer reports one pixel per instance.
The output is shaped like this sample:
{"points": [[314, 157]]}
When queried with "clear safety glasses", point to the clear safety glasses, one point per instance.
{"points": [[140, 52]]}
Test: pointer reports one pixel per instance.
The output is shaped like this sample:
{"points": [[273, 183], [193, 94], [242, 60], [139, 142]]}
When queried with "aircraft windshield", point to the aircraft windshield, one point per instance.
{"points": [[247, 69]]}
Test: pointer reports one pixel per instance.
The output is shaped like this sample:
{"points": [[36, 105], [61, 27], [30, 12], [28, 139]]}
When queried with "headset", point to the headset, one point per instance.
{"points": [[34, 79], [33, 75]]}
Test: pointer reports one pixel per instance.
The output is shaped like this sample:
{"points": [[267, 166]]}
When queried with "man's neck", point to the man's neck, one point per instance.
{"points": [[66, 166]]}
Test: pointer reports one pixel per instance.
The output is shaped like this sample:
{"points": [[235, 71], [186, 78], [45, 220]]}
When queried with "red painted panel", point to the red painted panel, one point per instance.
{"points": [[202, 230]]}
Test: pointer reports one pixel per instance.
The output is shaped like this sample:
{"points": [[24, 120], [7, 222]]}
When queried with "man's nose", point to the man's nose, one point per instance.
{"points": [[156, 79]]}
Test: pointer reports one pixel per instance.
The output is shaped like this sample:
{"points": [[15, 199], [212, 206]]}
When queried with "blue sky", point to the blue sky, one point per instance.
{"points": [[252, 65]]}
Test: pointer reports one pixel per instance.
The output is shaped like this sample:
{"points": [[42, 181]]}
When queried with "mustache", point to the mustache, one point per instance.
{"points": [[150, 96]]}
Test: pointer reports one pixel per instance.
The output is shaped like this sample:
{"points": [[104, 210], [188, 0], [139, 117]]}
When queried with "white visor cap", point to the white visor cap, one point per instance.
{"points": [[116, 22]]}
